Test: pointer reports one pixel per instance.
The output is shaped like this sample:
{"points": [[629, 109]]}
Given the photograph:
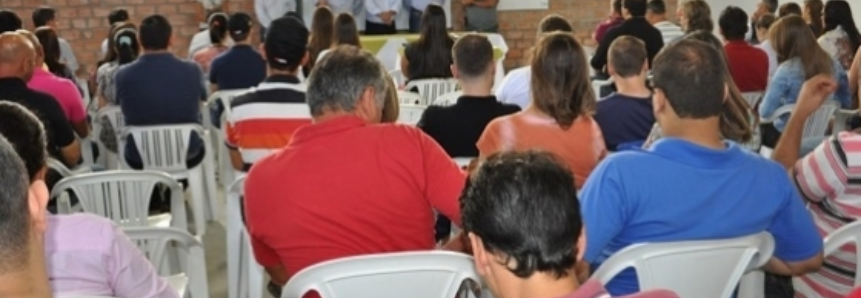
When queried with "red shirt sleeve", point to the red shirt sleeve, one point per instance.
{"points": [[444, 180]]}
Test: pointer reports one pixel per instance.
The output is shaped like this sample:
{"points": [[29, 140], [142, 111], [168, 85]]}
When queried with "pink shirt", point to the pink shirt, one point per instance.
{"points": [[593, 289], [63, 90], [89, 255]]}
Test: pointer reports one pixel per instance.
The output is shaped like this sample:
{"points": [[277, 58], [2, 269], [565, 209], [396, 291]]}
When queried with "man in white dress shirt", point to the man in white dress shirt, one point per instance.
{"points": [[380, 16], [657, 16], [269, 10], [515, 87], [417, 8]]}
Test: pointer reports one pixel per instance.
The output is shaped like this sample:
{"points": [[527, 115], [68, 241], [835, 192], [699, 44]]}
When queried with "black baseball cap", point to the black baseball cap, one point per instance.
{"points": [[239, 25], [286, 42]]}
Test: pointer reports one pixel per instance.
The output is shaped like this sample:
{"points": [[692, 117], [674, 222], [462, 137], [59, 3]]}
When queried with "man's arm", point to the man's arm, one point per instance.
{"points": [[82, 128], [71, 154], [602, 204], [132, 275], [813, 93], [443, 179]]}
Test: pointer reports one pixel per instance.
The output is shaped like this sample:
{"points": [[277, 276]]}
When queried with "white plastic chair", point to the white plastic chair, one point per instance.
{"points": [[463, 162], [406, 97], [425, 274], [816, 125], [222, 157], [447, 99], [598, 84], [430, 89], [411, 114], [165, 148], [124, 197], [703, 269], [389, 53], [752, 98], [154, 243], [840, 118], [243, 272], [117, 120], [83, 296], [398, 77]]}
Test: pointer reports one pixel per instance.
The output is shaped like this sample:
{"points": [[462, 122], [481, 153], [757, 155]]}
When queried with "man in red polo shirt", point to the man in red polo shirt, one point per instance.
{"points": [[747, 64], [346, 185]]}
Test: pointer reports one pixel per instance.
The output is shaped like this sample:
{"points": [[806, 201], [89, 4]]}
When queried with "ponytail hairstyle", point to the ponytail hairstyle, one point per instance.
{"points": [[127, 46], [217, 28]]}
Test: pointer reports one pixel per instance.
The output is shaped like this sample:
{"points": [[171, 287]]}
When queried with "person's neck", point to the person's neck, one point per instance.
{"points": [[32, 280], [540, 286], [477, 88], [634, 86], [156, 52], [330, 115], [703, 132], [275, 72], [242, 43]]}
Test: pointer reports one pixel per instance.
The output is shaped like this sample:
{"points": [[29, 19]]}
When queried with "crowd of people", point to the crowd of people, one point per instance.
{"points": [[561, 179]]}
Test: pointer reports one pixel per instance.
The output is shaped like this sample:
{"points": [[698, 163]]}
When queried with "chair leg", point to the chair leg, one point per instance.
{"points": [[234, 257], [211, 198], [198, 199]]}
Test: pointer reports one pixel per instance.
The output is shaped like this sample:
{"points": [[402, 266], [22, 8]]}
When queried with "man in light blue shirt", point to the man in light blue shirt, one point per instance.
{"points": [[417, 8], [380, 16], [692, 184]]}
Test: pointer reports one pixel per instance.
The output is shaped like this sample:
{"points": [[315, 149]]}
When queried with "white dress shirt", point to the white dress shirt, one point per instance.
{"points": [[515, 87], [353, 7], [375, 7], [67, 56], [269, 10], [421, 5]]}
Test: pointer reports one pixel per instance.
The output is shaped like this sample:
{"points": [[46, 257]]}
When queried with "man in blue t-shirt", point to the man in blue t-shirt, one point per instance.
{"points": [[626, 117], [693, 185], [241, 67]]}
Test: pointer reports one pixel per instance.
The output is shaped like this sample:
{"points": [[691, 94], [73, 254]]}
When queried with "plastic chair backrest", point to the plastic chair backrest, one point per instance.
{"points": [[115, 116], [163, 147], [224, 97], [430, 89], [705, 269], [154, 243], [848, 234], [447, 99], [817, 123], [83, 296], [752, 98], [122, 196], [426, 274], [410, 113], [597, 85], [406, 97]]}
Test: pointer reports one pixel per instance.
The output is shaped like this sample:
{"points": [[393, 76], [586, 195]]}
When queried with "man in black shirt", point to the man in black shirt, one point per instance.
{"points": [[635, 25], [457, 128], [17, 62]]}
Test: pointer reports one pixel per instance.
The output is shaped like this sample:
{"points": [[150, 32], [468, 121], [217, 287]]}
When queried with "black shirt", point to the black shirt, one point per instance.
{"points": [[637, 27], [57, 128], [457, 128]]}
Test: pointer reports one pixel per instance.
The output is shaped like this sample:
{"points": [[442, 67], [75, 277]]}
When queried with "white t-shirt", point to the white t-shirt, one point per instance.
{"points": [[772, 57], [515, 87]]}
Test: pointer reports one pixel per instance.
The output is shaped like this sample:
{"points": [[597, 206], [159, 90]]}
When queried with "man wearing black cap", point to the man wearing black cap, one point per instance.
{"points": [[264, 119], [241, 67]]}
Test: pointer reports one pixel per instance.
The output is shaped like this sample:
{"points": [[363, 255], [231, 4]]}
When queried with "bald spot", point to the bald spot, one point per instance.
{"points": [[14, 49]]}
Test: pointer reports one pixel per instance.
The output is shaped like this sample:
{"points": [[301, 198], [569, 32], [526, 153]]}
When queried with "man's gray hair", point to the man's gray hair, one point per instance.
{"points": [[339, 79], [14, 210]]}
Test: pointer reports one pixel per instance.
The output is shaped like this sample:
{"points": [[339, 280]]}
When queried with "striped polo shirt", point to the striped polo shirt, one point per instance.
{"points": [[830, 178], [264, 119]]}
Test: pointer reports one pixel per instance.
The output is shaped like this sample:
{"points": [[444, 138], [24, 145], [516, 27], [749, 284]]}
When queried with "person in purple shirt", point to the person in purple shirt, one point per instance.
{"points": [[85, 254], [626, 117], [521, 214]]}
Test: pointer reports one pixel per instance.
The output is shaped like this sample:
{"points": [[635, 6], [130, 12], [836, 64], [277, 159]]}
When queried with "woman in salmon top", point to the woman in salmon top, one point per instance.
{"points": [[558, 119]]}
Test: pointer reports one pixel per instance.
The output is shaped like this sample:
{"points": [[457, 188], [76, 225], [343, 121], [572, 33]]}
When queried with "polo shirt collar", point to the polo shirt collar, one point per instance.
{"points": [[737, 43], [688, 153], [328, 127], [466, 100], [286, 79], [12, 83], [637, 20], [156, 56]]}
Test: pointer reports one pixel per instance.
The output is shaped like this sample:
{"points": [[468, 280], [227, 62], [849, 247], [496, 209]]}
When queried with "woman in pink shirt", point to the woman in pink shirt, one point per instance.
{"points": [[217, 35]]}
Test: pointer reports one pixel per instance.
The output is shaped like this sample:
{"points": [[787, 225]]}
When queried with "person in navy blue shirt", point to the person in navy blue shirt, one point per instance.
{"points": [[692, 184], [159, 89], [626, 117], [241, 66]]}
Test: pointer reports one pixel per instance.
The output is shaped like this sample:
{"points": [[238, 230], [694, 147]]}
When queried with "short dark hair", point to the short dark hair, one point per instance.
{"points": [[657, 6], [26, 134], [771, 5], [239, 26], [789, 8], [472, 55], [692, 93], [637, 8], [553, 23], [765, 21], [733, 23], [155, 32], [9, 21], [286, 43], [628, 55], [118, 15], [15, 222], [43, 15], [524, 206]]}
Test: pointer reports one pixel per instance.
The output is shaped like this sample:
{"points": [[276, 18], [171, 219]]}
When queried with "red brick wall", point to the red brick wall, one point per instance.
{"points": [[84, 22]]}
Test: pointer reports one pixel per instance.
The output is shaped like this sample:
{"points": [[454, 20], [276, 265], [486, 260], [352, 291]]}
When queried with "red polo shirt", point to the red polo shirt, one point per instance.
{"points": [[748, 65], [343, 187]]}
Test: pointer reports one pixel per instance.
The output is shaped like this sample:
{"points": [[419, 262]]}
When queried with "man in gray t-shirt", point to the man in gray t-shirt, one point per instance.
{"points": [[481, 15]]}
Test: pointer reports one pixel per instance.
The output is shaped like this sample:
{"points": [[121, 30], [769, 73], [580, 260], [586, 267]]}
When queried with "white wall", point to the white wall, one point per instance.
{"points": [[749, 5]]}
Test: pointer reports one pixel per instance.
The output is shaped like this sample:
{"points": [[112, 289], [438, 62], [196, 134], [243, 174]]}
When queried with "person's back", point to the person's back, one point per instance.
{"points": [[431, 55], [747, 64], [345, 185], [241, 66], [786, 85], [656, 14], [635, 25], [63, 90], [457, 127]]}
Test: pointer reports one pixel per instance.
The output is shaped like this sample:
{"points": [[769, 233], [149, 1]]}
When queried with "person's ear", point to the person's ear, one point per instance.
{"points": [[492, 67], [659, 101], [41, 174], [610, 69], [368, 108], [170, 41], [480, 255], [37, 202], [262, 49], [645, 69], [581, 244], [305, 59], [725, 93], [454, 73]]}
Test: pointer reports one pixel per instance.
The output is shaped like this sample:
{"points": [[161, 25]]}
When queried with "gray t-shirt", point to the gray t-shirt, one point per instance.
{"points": [[481, 19]]}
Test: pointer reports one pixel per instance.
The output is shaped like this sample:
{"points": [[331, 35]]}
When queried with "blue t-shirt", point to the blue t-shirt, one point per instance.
{"points": [[678, 191], [240, 67], [160, 89], [624, 119]]}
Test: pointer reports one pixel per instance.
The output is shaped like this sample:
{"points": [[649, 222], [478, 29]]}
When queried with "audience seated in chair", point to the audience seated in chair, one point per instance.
{"points": [[17, 65], [430, 57], [62, 63], [747, 64], [613, 19], [84, 253], [264, 119], [516, 86], [522, 217], [636, 25], [322, 35], [559, 118], [762, 26], [693, 185], [346, 185], [626, 116], [160, 89], [241, 66], [218, 38], [824, 179], [125, 49], [656, 14], [457, 127], [9, 21], [22, 265], [346, 33]]}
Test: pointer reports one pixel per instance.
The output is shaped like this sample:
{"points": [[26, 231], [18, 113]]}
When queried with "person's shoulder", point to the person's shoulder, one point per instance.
{"points": [[73, 224]]}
